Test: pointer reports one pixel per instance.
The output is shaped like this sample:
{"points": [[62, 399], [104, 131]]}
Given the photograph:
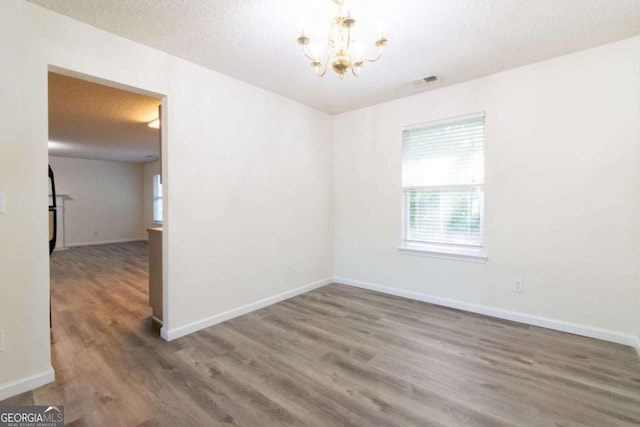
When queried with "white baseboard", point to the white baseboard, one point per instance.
{"points": [[181, 331], [637, 346], [25, 384], [559, 325], [106, 242]]}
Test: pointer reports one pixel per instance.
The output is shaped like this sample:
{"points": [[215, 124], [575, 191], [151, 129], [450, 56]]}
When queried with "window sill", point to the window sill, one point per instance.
{"points": [[444, 252]]}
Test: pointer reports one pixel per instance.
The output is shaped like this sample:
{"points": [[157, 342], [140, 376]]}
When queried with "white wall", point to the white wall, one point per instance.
{"points": [[149, 170], [248, 174], [104, 200], [562, 192]]}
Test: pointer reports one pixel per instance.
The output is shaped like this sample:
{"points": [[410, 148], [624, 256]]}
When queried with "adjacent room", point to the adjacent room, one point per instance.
{"points": [[321, 212], [104, 156]]}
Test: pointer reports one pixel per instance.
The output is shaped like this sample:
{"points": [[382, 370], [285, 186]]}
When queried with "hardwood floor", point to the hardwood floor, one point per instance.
{"points": [[334, 356]]}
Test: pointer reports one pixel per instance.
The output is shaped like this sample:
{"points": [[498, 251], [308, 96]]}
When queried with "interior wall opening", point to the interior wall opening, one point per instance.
{"points": [[109, 202]]}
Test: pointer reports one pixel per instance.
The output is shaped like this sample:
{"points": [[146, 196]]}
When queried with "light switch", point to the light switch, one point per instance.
{"points": [[3, 199]]}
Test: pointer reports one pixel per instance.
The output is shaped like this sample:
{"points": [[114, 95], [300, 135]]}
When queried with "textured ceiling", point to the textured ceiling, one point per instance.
{"points": [[89, 120], [254, 40]]}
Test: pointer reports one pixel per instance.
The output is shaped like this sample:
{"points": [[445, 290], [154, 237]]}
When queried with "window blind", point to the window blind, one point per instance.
{"points": [[157, 198], [443, 182]]}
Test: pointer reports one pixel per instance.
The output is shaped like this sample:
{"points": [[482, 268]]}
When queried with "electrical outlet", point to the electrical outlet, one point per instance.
{"points": [[288, 270], [518, 286], [1, 340]]}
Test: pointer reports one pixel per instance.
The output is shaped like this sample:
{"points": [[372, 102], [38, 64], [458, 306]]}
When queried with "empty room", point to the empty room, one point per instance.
{"points": [[356, 213]]}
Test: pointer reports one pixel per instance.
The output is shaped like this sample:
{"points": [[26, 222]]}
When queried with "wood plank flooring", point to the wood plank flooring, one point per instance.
{"points": [[336, 356]]}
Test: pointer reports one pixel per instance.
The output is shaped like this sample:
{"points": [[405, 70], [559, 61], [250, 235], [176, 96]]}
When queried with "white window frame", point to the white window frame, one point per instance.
{"points": [[157, 196], [472, 253]]}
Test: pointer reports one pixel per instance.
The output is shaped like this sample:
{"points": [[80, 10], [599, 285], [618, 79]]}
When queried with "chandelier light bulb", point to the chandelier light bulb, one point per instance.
{"points": [[315, 50]]}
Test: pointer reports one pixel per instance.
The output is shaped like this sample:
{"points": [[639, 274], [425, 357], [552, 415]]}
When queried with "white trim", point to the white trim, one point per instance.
{"points": [[445, 252], [637, 346], [559, 325], [440, 122], [106, 242], [14, 388], [181, 331]]}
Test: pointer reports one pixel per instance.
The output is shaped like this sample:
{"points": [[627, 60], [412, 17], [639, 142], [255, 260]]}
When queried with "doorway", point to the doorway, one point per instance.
{"points": [[105, 151]]}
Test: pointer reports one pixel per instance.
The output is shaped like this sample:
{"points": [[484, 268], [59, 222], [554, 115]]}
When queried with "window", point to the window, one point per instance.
{"points": [[157, 198], [443, 188]]}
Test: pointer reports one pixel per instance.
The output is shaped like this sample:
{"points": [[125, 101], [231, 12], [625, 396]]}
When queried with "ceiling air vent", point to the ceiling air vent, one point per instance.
{"points": [[426, 81]]}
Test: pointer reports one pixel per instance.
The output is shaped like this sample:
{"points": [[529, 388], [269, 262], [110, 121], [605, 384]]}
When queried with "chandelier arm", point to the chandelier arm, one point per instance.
{"points": [[355, 66], [326, 65], [380, 51], [330, 42], [330, 45], [304, 51]]}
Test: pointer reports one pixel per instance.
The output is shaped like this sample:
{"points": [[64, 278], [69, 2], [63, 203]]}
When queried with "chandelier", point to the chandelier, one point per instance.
{"points": [[341, 51]]}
